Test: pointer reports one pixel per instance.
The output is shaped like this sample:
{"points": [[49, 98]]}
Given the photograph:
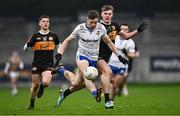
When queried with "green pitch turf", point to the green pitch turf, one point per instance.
{"points": [[163, 99]]}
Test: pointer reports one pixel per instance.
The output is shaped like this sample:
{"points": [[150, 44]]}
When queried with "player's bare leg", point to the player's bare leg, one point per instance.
{"points": [[105, 80], [67, 92], [82, 66], [74, 79], [36, 79], [121, 87], [116, 82], [46, 80], [77, 84], [14, 85]]}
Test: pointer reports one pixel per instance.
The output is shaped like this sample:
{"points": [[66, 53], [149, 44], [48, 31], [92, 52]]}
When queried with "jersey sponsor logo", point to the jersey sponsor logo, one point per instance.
{"points": [[112, 35], [50, 38], [112, 32], [34, 68], [44, 45], [82, 31], [81, 27], [44, 39], [111, 28], [98, 33], [87, 40], [87, 52], [38, 38]]}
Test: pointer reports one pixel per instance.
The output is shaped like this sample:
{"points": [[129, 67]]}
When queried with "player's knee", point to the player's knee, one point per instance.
{"points": [[35, 86], [46, 83], [75, 84], [125, 75], [108, 73], [35, 83], [116, 85]]}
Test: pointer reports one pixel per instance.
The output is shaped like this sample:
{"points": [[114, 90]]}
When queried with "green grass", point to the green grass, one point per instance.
{"points": [[163, 99]]}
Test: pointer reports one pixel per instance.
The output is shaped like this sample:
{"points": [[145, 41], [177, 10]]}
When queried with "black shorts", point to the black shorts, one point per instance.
{"points": [[106, 59], [104, 52], [39, 69]]}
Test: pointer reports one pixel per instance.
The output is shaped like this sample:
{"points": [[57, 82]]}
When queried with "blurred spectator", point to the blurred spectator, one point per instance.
{"points": [[12, 70]]}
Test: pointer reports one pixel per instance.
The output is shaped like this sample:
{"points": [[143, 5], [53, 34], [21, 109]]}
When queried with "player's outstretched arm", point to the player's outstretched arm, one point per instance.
{"points": [[64, 45], [61, 49], [139, 29]]}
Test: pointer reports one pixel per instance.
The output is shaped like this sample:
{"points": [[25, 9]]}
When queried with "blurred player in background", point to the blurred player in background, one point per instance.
{"points": [[120, 71], [124, 89], [12, 69], [89, 35], [113, 30], [43, 43]]}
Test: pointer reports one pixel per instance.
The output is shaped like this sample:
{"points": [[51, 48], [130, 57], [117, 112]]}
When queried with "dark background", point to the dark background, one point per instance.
{"points": [[31, 8]]}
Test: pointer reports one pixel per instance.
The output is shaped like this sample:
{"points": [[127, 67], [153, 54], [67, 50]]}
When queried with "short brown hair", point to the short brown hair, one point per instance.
{"points": [[92, 14], [44, 16], [124, 24], [107, 7]]}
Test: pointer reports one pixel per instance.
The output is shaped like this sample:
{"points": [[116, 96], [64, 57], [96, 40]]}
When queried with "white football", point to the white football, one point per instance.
{"points": [[91, 73]]}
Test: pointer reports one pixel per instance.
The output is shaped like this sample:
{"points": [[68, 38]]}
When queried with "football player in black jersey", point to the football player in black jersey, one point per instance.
{"points": [[104, 54], [43, 43]]}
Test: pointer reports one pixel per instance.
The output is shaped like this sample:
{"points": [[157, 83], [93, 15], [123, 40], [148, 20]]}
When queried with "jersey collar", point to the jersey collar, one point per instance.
{"points": [[101, 21], [43, 33]]}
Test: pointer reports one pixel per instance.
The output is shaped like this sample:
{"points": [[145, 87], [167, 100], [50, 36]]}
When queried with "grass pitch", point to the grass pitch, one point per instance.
{"points": [[162, 99]]}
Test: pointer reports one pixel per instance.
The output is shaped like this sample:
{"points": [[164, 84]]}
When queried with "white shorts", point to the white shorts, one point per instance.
{"points": [[91, 62], [13, 74]]}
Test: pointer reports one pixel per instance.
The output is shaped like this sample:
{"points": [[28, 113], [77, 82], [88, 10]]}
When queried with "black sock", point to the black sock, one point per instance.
{"points": [[42, 86], [66, 93], [32, 102], [106, 95]]}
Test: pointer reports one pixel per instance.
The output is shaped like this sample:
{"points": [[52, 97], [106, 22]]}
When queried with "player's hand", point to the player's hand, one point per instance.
{"points": [[58, 57], [142, 27], [124, 51], [25, 48], [123, 60]]}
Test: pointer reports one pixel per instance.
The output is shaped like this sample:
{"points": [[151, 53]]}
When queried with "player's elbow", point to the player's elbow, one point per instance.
{"points": [[131, 55], [30, 44]]}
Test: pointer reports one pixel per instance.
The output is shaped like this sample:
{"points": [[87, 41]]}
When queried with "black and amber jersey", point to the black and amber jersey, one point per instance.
{"points": [[112, 30], [43, 46]]}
